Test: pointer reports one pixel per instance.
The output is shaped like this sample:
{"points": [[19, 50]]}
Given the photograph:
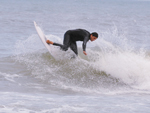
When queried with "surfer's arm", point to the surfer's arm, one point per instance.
{"points": [[84, 45]]}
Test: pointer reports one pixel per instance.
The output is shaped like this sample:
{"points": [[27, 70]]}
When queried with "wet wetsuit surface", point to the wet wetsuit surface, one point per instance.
{"points": [[70, 38]]}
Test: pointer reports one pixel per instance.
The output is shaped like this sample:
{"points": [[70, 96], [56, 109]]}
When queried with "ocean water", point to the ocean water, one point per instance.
{"points": [[113, 78]]}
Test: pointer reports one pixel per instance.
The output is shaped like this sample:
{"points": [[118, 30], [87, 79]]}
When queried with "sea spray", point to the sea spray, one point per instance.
{"points": [[108, 65], [76, 74], [122, 61]]}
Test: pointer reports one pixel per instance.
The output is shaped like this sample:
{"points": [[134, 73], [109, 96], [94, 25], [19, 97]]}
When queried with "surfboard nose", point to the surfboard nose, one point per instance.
{"points": [[34, 23]]}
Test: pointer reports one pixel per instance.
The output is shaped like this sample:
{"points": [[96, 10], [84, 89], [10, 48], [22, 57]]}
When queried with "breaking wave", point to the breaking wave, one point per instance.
{"points": [[111, 64]]}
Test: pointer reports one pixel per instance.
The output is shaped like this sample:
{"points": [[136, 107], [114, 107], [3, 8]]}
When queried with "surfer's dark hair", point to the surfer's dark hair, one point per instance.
{"points": [[94, 34]]}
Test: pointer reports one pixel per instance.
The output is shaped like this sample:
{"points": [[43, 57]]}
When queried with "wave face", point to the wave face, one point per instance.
{"points": [[107, 67]]}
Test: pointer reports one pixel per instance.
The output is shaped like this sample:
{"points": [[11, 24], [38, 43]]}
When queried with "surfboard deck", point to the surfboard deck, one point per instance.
{"points": [[42, 37]]}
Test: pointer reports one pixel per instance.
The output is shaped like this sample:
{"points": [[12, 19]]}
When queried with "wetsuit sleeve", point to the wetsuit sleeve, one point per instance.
{"points": [[84, 43]]}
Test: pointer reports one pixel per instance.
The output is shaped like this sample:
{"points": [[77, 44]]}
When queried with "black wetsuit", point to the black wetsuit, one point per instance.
{"points": [[70, 38]]}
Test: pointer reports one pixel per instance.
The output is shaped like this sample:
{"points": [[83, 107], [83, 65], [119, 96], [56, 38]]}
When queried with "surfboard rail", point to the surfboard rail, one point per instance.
{"points": [[42, 37]]}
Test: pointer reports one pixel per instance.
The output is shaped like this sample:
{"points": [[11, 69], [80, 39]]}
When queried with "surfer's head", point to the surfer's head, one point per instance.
{"points": [[93, 36]]}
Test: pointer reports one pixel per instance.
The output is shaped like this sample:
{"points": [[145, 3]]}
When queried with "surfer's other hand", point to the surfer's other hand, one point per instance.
{"points": [[84, 52]]}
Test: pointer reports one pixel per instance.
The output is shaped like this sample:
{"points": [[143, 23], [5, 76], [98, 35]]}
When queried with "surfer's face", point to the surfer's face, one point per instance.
{"points": [[92, 38]]}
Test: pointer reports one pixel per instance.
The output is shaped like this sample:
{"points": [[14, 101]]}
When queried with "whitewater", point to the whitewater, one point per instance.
{"points": [[113, 77]]}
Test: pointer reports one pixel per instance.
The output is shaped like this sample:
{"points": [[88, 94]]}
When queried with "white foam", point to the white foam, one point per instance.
{"points": [[124, 63], [9, 77]]}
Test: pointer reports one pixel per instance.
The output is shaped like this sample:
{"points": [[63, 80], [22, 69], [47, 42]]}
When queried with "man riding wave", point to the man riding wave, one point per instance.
{"points": [[70, 38]]}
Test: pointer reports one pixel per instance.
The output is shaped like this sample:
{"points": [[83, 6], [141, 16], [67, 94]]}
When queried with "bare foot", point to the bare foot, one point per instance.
{"points": [[49, 42]]}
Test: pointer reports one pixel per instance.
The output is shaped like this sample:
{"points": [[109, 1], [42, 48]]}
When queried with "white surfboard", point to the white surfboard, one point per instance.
{"points": [[42, 37]]}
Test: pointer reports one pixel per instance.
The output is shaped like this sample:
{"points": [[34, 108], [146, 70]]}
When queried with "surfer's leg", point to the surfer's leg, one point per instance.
{"points": [[73, 47], [53, 43], [63, 47], [66, 42], [57, 44]]}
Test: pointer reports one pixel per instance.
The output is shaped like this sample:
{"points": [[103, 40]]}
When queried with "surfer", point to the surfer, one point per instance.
{"points": [[70, 38]]}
